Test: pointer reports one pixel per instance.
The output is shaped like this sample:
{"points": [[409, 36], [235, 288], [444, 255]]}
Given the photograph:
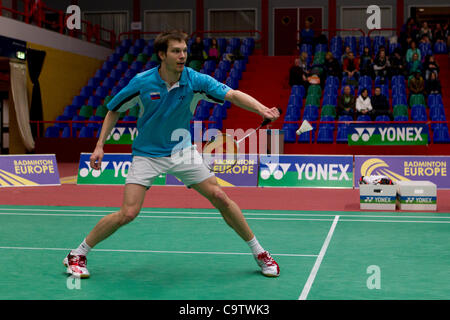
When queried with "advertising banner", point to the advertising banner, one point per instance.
{"points": [[122, 135], [306, 171], [383, 134], [405, 168], [28, 170], [114, 170], [244, 174]]}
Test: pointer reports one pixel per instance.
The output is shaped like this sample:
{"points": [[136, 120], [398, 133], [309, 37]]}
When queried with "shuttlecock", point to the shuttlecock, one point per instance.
{"points": [[305, 127]]}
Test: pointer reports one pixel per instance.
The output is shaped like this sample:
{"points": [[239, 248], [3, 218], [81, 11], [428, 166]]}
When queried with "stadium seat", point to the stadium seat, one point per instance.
{"points": [[93, 125], [436, 111], [306, 137], [401, 118], [295, 100], [109, 83], [312, 100], [363, 117], [311, 113], [342, 134], [148, 51], [441, 135], [101, 92], [126, 43], [233, 83], [440, 48], [382, 118], [290, 136], [397, 100], [327, 119], [329, 100], [70, 111], [78, 101], [400, 110], [220, 75], [86, 132], [122, 66], [236, 73], [418, 112], [325, 135], [94, 82], [328, 111], [52, 132], [93, 101], [314, 90], [216, 123], [417, 99], [293, 112], [434, 99], [66, 133], [62, 124], [114, 58]]}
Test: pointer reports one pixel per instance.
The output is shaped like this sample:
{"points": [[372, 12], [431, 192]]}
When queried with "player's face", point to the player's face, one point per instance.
{"points": [[176, 55]]}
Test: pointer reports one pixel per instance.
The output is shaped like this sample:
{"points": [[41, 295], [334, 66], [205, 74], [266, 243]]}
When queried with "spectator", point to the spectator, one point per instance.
{"points": [[413, 49], [425, 39], [398, 64], [439, 34], [416, 84], [366, 63], [363, 104], [425, 31], [430, 66], [213, 52], [380, 105], [197, 54], [304, 63], [381, 66], [307, 34], [446, 31], [432, 85], [236, 55], [346, 103], [347, 50], [415, 65], [296, 75], [332, 66], [351, 66]]}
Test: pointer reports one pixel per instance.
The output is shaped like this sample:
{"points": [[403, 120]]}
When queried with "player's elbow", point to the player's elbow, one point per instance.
{"points": [[232, 95]]}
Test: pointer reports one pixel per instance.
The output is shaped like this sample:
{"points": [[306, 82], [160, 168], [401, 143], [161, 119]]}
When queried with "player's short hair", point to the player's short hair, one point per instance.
{"points": [[162, 40]]}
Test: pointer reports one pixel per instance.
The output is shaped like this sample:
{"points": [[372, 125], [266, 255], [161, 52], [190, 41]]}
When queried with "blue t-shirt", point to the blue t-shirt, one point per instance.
{"points": [[163, 111]]}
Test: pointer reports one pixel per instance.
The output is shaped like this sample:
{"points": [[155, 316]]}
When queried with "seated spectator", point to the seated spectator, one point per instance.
{"points": [[446, 30], [332, 66], [380, 105], [296, 75], [381, 65], [351, 66], [432, 85], [411, 51], [415, 65], [430, 66], [365, 63], [416, 85], [346, 103], [307, 34], [363, 104], [347, 50], [398, 64], [213, 52], [197, 54], [236, 55], [439, 34], [304, 63], [425, 39], [425, 31]]}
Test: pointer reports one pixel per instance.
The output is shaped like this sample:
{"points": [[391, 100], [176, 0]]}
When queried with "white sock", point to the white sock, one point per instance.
{"points": [[82, 250], [255, 246]]}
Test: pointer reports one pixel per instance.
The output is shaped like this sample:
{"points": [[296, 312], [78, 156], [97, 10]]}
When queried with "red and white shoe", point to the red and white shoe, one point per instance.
{"points": [[269, 267], [76, 265]]}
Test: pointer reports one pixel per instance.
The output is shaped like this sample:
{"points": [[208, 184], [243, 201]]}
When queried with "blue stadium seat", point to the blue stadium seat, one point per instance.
{"points": [[140, 43], [148, 50], [400, 99], [327, 125], [128, 125], [236, 73], [436, 111], [126, 43], [434, 99], [298, 90], [150, 65], [311, 113], [401, 118], [114, 58], [62, 118], [52, 132], [220, 75], [122, 66], [93, 125], [290, 136], [306, 137], [134, 51], [382, 118], [101, 92], [440, 48], [120, 50], [325, 135], [217, 123], [130, 73], [94, 101], [441, 135], [345, 118], [94, 82], [418, 113], [342, 134], [363, 117], [70, 111], [329, 100], [86, 132], [202, 112], [78, 101], [233, 83], [295, 100], [293, 112], [115, 74], [66, 133], [220, 111]]}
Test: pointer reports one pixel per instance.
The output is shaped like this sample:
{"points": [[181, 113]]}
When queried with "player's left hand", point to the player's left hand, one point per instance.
{"points": [[271, 113]]}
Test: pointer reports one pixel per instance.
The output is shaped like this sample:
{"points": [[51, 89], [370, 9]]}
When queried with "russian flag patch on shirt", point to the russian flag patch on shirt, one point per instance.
{"points": [[155, 95]]}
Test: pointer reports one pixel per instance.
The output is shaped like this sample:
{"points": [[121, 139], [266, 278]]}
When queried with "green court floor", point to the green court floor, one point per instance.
{"points": [[193, 254]]}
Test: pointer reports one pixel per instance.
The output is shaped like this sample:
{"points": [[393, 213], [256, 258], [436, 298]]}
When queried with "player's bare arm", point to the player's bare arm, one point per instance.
{"points": [[249, 103], [110, 121]]}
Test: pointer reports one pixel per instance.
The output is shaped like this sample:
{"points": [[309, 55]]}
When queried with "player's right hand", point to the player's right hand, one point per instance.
{"points": [[96, 158]]}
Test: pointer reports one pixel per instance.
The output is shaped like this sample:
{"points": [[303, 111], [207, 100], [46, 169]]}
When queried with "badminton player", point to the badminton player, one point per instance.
{"points": [[167, 96]]}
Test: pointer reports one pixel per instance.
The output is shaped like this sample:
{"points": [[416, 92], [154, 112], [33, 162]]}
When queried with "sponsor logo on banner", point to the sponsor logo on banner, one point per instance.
{"points": [[377, 199], [388, 134], [122, 135], [405, 168], [306, 171], [243, 174], [28, 170], [114, 170]]}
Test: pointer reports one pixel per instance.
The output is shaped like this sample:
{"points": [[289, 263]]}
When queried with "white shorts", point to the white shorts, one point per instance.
{"points": [[186, 165]]}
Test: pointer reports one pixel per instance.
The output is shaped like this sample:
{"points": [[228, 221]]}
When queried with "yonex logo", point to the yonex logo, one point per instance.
{"points": [[278, 170], [118, 132], [365, 136], [95, 173]]}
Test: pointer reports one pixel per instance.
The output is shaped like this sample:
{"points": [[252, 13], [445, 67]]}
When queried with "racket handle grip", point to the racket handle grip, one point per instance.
{"points": [[267, 121]]}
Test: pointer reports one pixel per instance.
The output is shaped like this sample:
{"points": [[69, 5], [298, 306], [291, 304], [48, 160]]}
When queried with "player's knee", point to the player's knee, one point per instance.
{"points": [[219, 198], [127, 215]]}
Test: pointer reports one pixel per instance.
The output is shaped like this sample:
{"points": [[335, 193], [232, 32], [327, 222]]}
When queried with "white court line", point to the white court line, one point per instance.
{"points": [[319, 259], [219, 218], [159, 251], [217, 213]]}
